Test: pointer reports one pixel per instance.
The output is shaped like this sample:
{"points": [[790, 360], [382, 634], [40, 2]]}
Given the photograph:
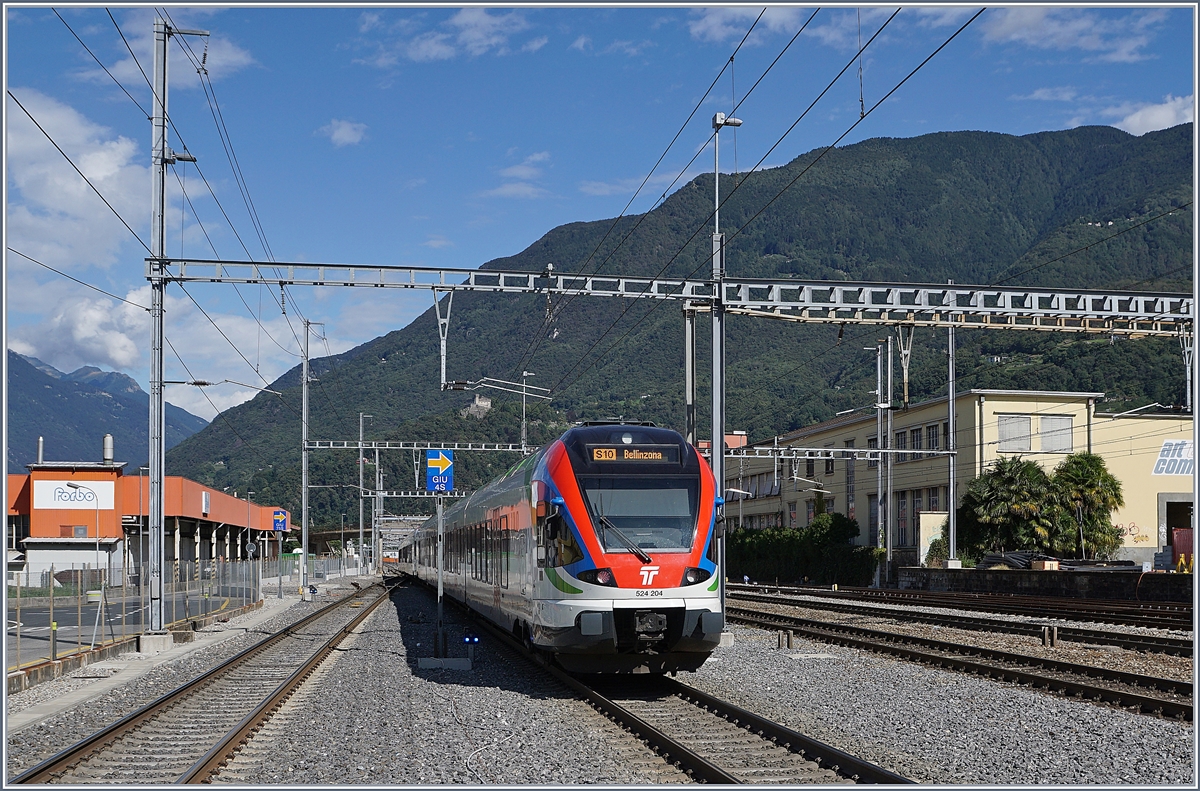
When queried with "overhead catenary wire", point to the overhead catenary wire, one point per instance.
{"points": [[77, 280], [708, 219], [552, 314], [77, 170], [101, 65]]}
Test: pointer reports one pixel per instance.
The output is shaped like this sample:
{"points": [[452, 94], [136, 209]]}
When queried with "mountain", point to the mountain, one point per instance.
{"points": [[73, 411], [975, 207]]}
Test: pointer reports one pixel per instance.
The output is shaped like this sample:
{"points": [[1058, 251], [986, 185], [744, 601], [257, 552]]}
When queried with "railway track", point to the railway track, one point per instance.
{"points": [[1180, 646], [1144, 694], [187, 734], [708, 739], [1159, 615]]}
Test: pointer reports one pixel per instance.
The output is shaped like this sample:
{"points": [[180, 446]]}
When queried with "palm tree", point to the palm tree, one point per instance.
{"points": [[1088, 493], [1008, 507]]}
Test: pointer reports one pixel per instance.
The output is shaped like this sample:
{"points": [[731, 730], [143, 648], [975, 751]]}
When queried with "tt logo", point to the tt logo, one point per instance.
{"points": [[648, 574]]}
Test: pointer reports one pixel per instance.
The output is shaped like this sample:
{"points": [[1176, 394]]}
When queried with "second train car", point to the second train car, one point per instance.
{"points": [[599, 549]]}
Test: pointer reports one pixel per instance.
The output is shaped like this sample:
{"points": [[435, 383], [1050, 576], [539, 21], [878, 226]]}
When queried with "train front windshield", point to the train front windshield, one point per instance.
{"points": [[652, 513]]}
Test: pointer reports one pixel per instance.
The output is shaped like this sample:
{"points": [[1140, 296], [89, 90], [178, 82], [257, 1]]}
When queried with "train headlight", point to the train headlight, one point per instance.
{"points": [[598, 577], [694, 576]]}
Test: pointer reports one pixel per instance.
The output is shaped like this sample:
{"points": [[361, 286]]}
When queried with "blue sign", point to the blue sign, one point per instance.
{"points": [[439, 470], [280, 521]]}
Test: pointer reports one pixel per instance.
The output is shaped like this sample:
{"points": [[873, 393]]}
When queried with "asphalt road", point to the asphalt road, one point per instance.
{"points": [[35, 621]]}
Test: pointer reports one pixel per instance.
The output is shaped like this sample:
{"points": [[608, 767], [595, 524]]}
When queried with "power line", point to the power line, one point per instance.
{"points": [[727, 198], [218, 256], [101, 65], [80, 172], [1093, 244], [136, 62], [643, 217], [77, 280], [530, 351]]}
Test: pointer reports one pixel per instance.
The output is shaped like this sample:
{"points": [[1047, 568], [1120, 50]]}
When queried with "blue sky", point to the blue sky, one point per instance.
{"points": [[448, 137]]}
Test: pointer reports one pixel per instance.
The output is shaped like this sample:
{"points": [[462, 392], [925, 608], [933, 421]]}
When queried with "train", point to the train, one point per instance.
{"points": [[599, 549]]}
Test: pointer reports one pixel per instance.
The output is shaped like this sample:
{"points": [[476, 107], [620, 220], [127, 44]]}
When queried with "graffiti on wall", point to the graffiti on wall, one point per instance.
{"points": [[1134, 533]]}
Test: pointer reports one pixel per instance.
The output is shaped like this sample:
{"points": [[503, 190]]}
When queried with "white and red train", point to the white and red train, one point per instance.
{"points": [[599, 548]]}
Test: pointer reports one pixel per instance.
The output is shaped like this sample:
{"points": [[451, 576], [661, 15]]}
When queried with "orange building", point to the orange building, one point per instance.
{"points": [[66, 513]]}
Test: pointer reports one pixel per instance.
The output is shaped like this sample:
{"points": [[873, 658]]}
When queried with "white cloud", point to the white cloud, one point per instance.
{"points": [[1064, 93], [583, 43], [430, 46], [437, 242], [627, 186], [479, 31], [220, 56], [721, 24], [526, 170], [343, 133], [535, 44], [520, 189], [52, 213], [629, 48], [1174, 110], [1118, 40]]}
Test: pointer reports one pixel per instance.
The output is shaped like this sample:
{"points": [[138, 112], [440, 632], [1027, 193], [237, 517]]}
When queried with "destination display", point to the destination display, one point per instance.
{"points": [[634, 453]]}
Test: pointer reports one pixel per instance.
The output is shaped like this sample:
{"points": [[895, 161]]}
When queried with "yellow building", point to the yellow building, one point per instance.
{"points": [[1150, 454]]}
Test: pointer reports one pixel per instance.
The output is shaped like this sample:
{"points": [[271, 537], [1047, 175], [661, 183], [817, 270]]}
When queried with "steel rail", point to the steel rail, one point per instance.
{"points": [[1161, 615], [44, 771], [956, 656], [231, 742], [688, 760], [827, 756], [1133, 642]]}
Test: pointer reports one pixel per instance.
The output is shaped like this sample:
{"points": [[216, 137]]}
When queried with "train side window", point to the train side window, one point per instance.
{"points": [[505, 545]]}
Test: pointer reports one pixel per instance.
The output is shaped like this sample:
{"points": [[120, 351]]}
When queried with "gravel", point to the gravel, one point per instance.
{"points": [[936, 726], [40, 741], [374, 718], [1178, 668]]}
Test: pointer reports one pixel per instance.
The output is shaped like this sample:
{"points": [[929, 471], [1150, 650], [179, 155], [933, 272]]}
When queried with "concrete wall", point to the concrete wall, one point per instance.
{"points": [[1123, 585]]}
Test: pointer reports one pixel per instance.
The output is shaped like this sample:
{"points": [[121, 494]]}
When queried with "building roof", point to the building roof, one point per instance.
{"points": [[76, 465], [863, 415]]}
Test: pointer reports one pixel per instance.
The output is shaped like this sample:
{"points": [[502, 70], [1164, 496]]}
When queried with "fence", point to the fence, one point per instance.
{"points": [[57, 611]]}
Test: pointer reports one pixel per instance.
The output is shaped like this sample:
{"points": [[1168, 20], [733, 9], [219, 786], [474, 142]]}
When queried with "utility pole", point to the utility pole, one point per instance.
{"points": [[439, 650], [890, 458], [689, 372], [718, 343], [951, 445], [377, 521], [361, 554], [524, 432], [161, 156], [880, 443], [304, 468]]}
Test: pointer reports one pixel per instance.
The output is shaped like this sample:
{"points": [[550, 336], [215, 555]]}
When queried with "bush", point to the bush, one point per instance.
{"points": [[821, 552]]}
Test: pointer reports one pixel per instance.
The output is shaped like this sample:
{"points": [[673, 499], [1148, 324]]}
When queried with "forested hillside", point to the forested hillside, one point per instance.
{"points": [[969, 206]]}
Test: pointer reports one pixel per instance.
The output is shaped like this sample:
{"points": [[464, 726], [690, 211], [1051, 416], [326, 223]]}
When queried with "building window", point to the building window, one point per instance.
{"points": [[901, 444], [80, 531], [916, 443], [872, 519], [902, 518], [810, 468], [872, 461], [829, 464], [1014, 433], [931, 437], [810, 510], [934, 502], [1056, 433], [791, 514], [946, 436], [916, 512]]}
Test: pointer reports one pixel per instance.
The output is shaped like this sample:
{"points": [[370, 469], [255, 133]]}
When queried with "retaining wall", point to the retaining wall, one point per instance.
{"points": [[1131, 585]]}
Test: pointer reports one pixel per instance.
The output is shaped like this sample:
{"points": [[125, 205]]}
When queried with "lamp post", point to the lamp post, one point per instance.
{"points": [[719, 121], [524, 433], [99, 604], [360, 489], [250, 535]]}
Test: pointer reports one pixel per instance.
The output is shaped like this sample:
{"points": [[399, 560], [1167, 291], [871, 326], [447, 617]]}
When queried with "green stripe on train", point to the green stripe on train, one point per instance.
{"points": [[560, 583]]}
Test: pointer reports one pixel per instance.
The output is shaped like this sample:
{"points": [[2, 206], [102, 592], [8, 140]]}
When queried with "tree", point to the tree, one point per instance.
{"points": [[1010, 507], [1087, 493]]}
